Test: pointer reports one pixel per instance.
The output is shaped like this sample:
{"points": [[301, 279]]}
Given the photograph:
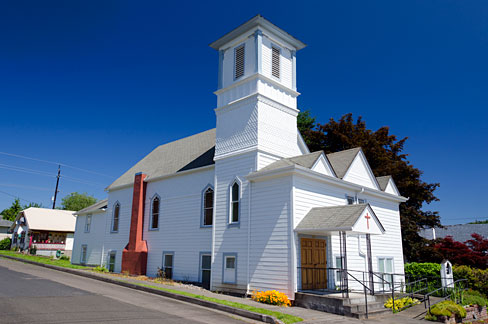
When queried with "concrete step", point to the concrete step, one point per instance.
{"points": [[371, 314], [362, 307]]}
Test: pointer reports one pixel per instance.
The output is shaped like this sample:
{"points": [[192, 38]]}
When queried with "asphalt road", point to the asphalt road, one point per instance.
{"points": [[32, 294]]}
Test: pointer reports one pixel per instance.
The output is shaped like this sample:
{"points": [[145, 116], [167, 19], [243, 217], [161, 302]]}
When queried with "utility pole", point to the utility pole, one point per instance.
{"points": [[57, 183]]}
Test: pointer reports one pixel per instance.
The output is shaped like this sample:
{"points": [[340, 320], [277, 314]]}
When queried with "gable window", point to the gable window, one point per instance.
{"points": [[235, 193], [155, 213], [83, 254], [361, 201], [275, 62], [115, 217], [350, 200], [239, 62], [88, 223], [230, 268], [208, 198], [111, 261]]}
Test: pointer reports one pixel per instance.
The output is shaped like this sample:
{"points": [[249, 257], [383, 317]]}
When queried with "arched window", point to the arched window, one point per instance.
{"points": [[235, 195], [208, 199], [115, 217], [155, 212]]}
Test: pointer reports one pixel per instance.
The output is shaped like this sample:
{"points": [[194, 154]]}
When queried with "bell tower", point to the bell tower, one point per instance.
{"points": [[256, 95]]}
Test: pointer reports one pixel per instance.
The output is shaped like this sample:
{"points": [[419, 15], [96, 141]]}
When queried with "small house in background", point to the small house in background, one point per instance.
{"points": [[459, 232], [48, 230], [90, 226], [4, 228]]}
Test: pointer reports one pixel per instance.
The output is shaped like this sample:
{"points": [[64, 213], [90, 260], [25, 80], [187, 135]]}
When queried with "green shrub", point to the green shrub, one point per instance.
{"points": [[477, 278], [64, 257], [446, 308], [5, 244], [33, 250], [100, 269], [416, 269]]}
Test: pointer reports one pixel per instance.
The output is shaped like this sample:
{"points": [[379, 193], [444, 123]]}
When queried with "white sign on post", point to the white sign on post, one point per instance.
{"points": [[447, 278]]}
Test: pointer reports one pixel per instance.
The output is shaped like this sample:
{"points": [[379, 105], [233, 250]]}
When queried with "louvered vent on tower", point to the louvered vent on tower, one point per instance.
{"points": [[275, 62], [239, 62]]}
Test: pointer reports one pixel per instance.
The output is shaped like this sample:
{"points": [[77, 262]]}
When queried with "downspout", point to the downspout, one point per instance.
{"points": [[249, 240]]}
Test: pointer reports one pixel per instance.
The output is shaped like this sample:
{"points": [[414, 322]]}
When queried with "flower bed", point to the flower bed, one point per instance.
{"points": [[272, 297]]}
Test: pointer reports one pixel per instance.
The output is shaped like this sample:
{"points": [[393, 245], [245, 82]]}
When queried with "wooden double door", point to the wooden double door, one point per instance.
{"points": [[313, 263]]}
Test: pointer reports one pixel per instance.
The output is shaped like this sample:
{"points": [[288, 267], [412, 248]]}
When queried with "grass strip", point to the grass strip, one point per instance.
{"points": [[43, 259], [286, 318]]}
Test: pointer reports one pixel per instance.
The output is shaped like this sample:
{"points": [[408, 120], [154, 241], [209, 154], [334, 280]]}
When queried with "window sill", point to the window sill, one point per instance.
{"points": [[235, 224], [206, 226], [153, 229]]}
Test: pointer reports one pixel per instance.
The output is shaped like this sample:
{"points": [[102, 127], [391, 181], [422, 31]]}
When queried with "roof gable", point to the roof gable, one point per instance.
{"points": [[306, 160], [387, 185], [97, 207], [181, 155], [341, 161], [323, 166], [356, 219], [360, 172]]}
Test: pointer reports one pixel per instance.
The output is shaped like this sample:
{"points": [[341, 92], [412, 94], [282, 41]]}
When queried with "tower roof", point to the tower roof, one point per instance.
{"points": [[257, 21]]}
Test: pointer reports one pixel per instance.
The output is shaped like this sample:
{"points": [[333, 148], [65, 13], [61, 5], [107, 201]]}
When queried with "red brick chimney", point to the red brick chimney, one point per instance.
{"points": [[134, 256]]}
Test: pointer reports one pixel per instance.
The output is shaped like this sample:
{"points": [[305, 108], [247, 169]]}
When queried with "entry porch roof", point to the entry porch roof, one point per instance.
{"points": [[353, 219]]}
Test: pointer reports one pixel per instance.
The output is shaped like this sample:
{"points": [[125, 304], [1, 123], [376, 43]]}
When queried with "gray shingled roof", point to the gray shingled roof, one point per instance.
{"points": [[333, 218], [383, 181], [5, 223], [181, 155], [306, 160], [99, 205], [459, 232], [341, 161]]}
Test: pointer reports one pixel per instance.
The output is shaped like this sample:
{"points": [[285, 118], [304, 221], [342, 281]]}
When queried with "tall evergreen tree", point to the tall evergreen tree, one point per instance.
{"points": [[386, 157]]}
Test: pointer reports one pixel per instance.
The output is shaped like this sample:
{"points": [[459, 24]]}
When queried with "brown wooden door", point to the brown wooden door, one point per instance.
{"points": [[314, 263]]}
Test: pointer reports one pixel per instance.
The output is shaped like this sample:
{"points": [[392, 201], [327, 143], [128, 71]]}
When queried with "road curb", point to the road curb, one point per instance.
{"points": [[192, 300]]}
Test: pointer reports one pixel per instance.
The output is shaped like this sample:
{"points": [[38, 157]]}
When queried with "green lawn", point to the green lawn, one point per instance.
{"points": [[43, 259], [288, 319]]}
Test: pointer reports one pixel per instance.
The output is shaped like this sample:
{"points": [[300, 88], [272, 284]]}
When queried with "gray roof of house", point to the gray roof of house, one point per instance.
{"points": [[181, 155], [99, 205], [5, 223], [306, 160], [333, 218], [383, 181], [341, 161], [460, 232]]}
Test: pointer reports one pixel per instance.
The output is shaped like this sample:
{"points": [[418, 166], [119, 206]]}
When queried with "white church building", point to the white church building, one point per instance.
{"points": [[245, 206]]}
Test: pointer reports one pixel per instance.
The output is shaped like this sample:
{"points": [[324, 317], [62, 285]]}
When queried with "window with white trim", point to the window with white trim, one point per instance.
{"points": [[275, 61], [239, 61], [111, 261], [208, 198], [83, 254], [361, 201], [115, 217], [168, 265], [155, 206], [350, 200], [230, 268], [234, 202], [88, 220], [385, 267], [338, 275]]}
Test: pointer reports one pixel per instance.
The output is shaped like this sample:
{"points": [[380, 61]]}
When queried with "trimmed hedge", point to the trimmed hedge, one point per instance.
{"points": [[5, 244]]}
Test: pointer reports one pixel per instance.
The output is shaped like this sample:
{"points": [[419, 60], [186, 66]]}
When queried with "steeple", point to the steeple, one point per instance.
{"points": [[256, 89]]}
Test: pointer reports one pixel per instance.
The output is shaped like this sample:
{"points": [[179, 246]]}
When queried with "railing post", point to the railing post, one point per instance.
{"points": [[366, 301], [392, 294]]}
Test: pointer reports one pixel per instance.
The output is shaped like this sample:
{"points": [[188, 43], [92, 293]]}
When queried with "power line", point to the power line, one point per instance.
{"points": [[47, 174], [16, 197], [56, 163], [23, 187]]}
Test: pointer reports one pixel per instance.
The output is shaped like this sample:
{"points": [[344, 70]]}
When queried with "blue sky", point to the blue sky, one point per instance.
{"points": [[98, 84]]}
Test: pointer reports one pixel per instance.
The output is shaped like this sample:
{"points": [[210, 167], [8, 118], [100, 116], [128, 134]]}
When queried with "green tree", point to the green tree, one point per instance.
{"points": [[76, 201], [386, 157], [12, 212]]}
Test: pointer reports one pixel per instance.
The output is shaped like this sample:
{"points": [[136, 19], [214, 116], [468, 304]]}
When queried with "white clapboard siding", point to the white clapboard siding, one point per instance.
{"points": [[179, 224], [93, 239], [270, 249], [231, 239], [360, 173]]}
